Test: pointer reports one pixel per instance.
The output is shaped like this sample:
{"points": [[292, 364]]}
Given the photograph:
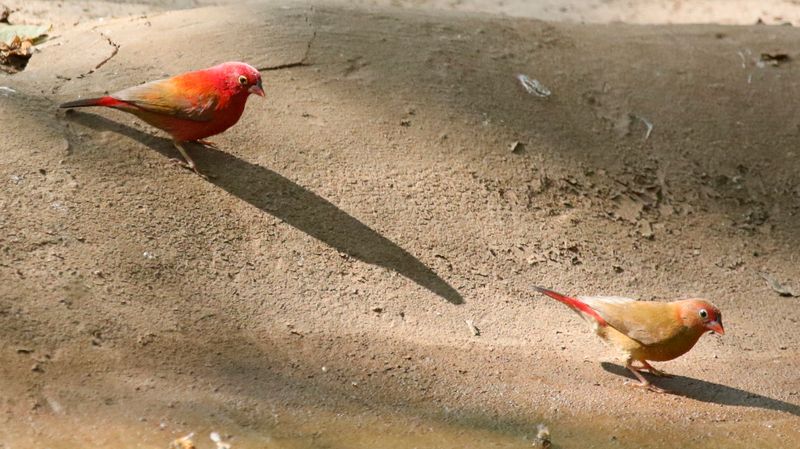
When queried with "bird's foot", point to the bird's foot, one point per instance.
{"points": [[187, 161], [643, 383], [208, 143], [648, 386], [648, 368], [189, 166], [655, 372]]}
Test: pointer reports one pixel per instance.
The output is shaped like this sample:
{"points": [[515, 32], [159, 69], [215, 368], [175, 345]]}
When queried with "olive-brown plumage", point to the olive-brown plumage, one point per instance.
{"points": [[646, 331]]}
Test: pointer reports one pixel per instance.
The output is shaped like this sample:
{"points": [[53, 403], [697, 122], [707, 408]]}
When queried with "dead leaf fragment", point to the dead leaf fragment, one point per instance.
{"points": [[542, 439], [16, 45], [775, 59], [646, 229], [779, 288], [217, 439], [533, 87], [628, 209], [33, 33], [472, 328], [184, 442]]}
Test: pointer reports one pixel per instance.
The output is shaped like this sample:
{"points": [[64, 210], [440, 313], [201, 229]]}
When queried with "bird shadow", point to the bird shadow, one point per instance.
{"points": [[295, 205], [705, 391]]}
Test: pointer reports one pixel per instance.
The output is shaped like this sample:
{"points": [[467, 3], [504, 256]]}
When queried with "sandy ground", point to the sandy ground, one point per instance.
{"points": [[727, 12], [315, 293]]}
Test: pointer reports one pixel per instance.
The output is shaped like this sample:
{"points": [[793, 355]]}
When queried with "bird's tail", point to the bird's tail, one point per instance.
{"points": [[107, 101], [574, 304]]}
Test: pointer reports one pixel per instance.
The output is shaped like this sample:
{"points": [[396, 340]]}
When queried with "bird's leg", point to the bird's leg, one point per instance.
{"points": [[207, 143], [187, 162], [652, 370], [643, 383]]}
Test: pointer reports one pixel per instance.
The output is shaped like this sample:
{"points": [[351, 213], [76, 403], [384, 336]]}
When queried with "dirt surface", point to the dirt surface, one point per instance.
{"points": [[727, 12], [315, 293]]}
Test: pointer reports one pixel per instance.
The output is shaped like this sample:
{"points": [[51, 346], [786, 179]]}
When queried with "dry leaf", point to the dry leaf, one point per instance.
{"points": [[542, 439], [775, 59], [14, 57], [33, 33], [779, 288], [16, 45], [217, 439], [472, 328], [628, 209], [184, 442]]}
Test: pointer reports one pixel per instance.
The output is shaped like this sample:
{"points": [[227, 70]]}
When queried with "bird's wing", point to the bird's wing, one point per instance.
{"points": [[182, 97], [646, 322], [592, 300]]}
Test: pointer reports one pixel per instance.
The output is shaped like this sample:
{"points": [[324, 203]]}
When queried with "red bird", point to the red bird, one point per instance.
{"points": [[189, 107], [644, 330]]}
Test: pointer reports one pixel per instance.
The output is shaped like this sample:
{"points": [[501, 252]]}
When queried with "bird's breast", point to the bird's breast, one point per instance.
{"points": [[670, 348]]}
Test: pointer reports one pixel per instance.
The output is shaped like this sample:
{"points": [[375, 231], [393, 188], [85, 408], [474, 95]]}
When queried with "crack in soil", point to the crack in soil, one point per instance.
{"points": [[114, 52], [301, 63]]}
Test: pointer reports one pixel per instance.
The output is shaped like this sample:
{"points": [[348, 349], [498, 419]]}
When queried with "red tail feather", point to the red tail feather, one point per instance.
{"points": [[573, 303], [101, 101]]}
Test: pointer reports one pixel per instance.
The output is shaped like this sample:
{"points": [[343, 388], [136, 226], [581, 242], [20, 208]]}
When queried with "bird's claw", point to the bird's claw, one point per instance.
{"points": [[181, 162], [189, 166], [648, 368], [208, 143], [648, 386], [659, 373]]}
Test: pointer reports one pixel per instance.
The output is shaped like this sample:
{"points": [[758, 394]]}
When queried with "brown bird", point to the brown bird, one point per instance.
{"points": [[645, 331]]}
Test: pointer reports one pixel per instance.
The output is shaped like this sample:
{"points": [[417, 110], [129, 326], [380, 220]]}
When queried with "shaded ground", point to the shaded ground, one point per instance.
{"points": [[370, 206]]}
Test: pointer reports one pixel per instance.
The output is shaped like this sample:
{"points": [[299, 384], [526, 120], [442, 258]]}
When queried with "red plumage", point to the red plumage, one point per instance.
{"points": [[190, 106], [573, 304]]}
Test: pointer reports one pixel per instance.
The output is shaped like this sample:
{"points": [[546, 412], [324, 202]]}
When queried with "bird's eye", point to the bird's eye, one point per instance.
{"points": [[703, 313], [242, 80]]}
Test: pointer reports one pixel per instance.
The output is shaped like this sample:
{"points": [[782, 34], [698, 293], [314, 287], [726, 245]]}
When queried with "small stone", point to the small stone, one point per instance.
{"points": [[646, 229], [473, 329], [542, 439]]}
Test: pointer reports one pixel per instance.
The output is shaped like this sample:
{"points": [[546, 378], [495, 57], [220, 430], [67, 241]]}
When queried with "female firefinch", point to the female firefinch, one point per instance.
{"points": [[643, 330]]}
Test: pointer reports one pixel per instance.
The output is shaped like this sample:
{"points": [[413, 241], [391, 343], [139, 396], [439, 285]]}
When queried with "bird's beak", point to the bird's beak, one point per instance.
{"points": [[256, 89], [716, 327]]}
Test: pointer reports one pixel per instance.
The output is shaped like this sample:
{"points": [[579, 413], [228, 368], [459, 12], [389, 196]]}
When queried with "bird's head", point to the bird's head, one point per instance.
{"points": [[702, 315], [242, 78]]}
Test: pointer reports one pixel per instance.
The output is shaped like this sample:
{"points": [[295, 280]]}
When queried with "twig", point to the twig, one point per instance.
{"points": [[114, 52]]}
